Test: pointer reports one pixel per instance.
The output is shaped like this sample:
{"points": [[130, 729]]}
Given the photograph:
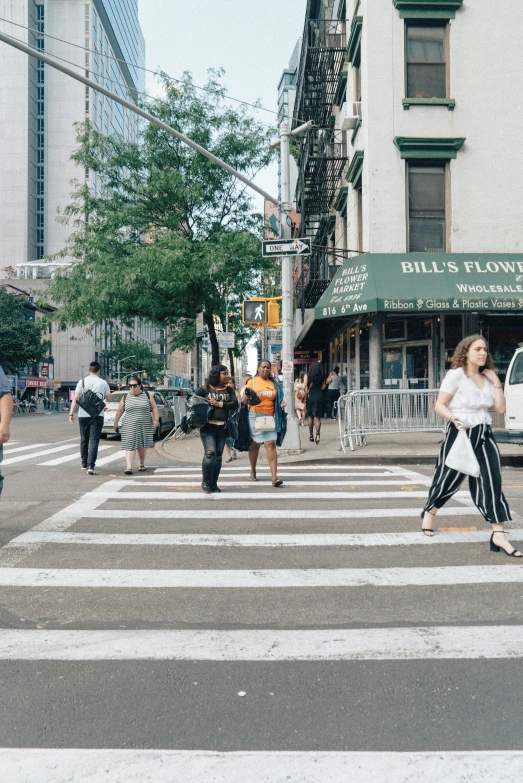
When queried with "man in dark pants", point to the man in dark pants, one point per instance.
{"points": [[6, 411], [90, 426]]}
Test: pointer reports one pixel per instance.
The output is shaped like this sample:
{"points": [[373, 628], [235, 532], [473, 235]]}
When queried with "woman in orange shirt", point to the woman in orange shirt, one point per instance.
{"points": [[265, 418]]}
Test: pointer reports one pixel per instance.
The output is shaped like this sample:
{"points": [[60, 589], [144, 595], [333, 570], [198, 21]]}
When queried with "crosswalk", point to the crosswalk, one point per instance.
{"points": [[260, 634], [69, 451]]}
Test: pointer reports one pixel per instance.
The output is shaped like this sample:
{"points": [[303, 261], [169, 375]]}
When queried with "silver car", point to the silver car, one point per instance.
{"points": [[165, 414]]}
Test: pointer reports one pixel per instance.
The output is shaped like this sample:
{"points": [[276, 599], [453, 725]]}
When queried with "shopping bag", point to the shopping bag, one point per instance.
{"points": [[198, 411], [461, 456]]}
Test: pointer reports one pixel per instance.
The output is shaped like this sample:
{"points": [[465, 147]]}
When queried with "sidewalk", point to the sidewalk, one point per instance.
{"points": [[403, 448]]}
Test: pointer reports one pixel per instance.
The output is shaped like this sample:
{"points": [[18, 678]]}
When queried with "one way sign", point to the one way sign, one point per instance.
{"points": [[286, 247]]}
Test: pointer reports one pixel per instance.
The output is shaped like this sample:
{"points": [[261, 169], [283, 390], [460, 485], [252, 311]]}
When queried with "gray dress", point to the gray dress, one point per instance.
{"points": [[136, 427]]}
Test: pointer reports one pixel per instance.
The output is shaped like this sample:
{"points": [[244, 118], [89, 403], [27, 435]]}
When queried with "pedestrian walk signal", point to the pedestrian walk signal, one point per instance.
{"points": [[261, 312]]}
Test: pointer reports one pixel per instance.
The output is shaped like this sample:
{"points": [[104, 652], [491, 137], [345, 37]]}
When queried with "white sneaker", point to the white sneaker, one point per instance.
{"points": [[91, 472]]}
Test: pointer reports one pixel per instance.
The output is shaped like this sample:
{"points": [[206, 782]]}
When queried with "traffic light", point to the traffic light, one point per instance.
{"points": [[261, 312]]}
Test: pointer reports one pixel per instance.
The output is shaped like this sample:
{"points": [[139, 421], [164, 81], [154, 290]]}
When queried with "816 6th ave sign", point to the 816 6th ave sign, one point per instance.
{"points": [[286, 247]]}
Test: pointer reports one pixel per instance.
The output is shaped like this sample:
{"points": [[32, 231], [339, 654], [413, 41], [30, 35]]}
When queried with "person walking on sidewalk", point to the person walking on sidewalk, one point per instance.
{"points": [[138, 425], [90, 426], [315, 399], [333, 383], [222, 398], [265, 418], [466, 394], [300, 396], [6, 411]]}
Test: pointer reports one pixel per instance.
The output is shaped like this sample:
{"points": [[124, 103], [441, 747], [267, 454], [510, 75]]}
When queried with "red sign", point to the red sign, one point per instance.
{"points": [[45, 371], [36, 383]]}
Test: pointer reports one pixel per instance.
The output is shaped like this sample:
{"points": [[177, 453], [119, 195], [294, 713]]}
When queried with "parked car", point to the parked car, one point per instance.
{"points": [[165, 414]]}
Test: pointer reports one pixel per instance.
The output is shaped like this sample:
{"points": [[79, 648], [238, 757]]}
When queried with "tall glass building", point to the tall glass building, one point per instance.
{"points": [[39, 112]]}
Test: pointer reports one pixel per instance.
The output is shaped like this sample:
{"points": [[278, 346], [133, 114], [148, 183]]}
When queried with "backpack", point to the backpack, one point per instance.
{"points": [[91, 402]]}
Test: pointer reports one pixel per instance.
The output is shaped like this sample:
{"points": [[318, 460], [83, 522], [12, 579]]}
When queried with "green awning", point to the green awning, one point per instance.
{"points": [[425, 282]]}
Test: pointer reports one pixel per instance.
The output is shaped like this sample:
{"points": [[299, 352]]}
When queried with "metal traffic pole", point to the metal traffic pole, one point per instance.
{"points": [[292, 438]]}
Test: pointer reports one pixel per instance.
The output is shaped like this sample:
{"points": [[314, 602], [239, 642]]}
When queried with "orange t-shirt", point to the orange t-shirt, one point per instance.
{"points": [[266, 391]]}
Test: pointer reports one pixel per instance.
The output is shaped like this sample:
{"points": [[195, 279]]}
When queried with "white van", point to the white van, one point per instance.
{"points": [[514, 397]]}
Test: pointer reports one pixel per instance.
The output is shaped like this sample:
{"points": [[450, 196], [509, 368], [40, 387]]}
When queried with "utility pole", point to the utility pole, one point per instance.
{"points": [[292, 438]]}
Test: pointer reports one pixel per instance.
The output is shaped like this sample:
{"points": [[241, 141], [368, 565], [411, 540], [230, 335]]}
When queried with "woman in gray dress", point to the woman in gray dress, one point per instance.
{"points": [[136, 430]]}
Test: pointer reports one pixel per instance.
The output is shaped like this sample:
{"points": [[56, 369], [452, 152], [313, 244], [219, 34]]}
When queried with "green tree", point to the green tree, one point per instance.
{"points": [[168, 234], [131, 356], [20, 340]]}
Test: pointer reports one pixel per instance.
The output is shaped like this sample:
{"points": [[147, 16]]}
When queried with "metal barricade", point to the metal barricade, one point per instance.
{"points": [[180, 409], [362, 413]]}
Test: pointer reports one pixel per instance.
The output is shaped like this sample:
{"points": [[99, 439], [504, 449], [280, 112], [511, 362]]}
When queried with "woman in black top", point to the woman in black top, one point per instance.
{"points": [[222, 398], [315, 399]]}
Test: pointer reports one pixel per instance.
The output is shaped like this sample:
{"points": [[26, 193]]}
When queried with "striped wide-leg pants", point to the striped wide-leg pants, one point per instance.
{"points": [[486, 490]]}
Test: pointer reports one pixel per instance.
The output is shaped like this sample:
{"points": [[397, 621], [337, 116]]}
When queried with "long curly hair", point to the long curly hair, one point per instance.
{"points": [[213, 378], [459, 357]]}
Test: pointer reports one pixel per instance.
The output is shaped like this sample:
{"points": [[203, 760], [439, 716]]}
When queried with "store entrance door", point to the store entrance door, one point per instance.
{"points": [[408, 366]]}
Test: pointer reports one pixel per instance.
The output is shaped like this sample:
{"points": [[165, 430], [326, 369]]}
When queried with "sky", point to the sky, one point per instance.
{"points": [[251, 40]]}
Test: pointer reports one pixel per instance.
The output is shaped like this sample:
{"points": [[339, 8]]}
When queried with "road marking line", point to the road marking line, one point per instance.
{"points": [[300, 468], [303, 483], [377, 644], [250, 514], [261, 578], [263, 540], [111, 458], [245, 473], [26, 448], [278, 495], [68, 458], [63, 765], [37, 454]]}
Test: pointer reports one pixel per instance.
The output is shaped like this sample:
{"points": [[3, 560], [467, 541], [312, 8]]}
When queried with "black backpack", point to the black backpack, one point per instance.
{"points": [[91, 402]]}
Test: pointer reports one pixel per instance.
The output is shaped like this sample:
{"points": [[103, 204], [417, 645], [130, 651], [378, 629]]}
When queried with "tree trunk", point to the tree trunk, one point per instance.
{"points": [[215, 349]]}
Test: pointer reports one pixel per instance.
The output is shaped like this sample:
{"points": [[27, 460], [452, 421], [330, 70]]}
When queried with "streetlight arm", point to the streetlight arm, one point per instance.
{"points": [[136, 109]]}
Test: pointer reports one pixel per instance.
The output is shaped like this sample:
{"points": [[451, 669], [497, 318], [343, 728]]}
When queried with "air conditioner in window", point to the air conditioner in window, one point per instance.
{"points": [[350, 115]]}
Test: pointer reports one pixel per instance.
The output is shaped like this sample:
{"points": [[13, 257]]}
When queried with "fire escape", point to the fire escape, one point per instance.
{"points": [[322, 153]]}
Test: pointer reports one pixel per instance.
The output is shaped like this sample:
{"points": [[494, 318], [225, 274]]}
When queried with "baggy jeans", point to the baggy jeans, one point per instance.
{"points": [[90, 431]]}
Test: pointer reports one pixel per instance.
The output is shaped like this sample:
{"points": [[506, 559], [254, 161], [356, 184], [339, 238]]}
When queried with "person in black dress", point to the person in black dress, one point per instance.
{"points": [[316, 386]]}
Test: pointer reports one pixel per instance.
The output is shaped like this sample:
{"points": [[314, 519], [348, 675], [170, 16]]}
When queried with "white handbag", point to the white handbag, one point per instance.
{"points": [[461, 457], [265, 423]]}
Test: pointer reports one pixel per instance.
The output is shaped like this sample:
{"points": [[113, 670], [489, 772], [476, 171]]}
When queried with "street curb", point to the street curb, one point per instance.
{"points": [[357, 458]]}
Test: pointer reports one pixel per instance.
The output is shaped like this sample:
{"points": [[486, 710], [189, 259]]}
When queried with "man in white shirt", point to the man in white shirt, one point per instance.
{"points": [[90, 426]]}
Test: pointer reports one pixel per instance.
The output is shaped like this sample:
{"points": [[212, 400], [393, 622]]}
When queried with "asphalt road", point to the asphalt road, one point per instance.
{"points": [[149, 632]]}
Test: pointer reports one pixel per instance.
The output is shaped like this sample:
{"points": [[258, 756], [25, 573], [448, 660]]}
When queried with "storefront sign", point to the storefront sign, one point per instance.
{"points": [[425, 282], [35, 383]]}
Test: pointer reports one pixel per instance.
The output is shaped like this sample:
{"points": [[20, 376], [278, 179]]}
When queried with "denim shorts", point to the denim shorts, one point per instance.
{"points": [[257, 435]]}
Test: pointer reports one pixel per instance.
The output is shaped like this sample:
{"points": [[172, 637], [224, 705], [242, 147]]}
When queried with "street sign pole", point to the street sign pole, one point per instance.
{"points": [[292, 438]]}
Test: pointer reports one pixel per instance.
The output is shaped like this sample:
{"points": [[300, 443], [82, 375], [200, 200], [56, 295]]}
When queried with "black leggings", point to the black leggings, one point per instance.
{"points": [[213, 438], [486, 490]]}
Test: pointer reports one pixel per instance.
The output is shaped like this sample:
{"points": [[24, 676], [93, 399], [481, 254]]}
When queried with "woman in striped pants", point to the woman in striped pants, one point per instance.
{"points": [[467, 392]]}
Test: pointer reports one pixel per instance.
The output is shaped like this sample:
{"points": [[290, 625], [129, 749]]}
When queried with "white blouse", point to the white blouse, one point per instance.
{"points": [[469, 403]]}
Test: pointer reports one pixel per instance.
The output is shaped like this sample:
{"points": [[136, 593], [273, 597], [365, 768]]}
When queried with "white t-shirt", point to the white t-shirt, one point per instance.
{"points": [[469, 403], [96, 384]]}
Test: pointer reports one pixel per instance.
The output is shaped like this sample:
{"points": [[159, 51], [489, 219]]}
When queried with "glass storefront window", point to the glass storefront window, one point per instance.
{"points": [[504, 334], [453, 334]]}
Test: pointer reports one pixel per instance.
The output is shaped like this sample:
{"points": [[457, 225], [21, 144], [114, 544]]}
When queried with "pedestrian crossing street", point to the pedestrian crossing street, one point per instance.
{"points": [[252, 590], [68, 450]]}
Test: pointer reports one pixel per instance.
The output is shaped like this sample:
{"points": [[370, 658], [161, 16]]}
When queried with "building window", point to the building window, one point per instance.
{"points": [[427, 218], [426, 61]]}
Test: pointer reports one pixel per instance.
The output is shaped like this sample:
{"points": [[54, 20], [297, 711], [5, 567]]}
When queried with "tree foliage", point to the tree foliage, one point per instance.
{"points": [[168, 234], [130, 357], [20, 340]]}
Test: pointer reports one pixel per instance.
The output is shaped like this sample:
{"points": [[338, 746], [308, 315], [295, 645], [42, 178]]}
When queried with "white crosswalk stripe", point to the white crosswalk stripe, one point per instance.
{"points": [[31, 453], [165, 508]]}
